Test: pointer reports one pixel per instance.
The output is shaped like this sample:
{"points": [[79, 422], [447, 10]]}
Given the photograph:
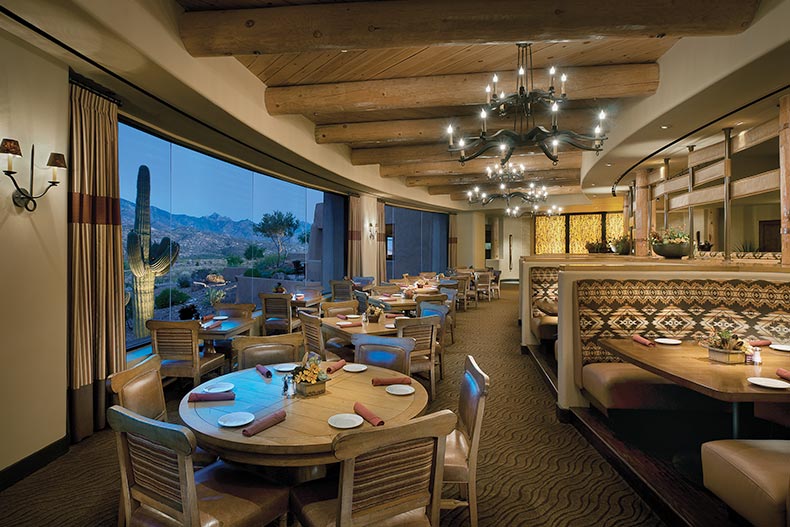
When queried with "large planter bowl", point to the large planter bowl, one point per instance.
{"points": [[672, 250]]}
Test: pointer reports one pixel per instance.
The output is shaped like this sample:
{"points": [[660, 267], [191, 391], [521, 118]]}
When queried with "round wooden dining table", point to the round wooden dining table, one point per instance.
{"points": [[305, 437]]}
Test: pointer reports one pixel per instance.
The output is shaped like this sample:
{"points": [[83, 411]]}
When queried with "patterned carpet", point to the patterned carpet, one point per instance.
{"points": [[533, 470]]}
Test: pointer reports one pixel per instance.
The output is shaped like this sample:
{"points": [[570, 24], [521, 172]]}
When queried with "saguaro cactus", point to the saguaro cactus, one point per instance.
{"points": [[146, 260]]}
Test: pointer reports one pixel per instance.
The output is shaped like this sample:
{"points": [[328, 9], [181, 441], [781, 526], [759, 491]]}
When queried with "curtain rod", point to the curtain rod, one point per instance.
{"points": [[91, 86]]}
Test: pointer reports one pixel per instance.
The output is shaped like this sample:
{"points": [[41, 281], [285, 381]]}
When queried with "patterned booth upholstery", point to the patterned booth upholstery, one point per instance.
{"points": [[684, 309], [543, 288]]}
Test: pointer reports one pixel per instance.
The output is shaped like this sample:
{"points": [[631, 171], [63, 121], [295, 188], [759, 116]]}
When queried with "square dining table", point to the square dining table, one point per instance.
{"points": [[688, 365], [385, 326], [228, 328]]}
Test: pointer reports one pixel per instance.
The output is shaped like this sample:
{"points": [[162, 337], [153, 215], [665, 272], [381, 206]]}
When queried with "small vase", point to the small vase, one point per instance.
{"points": [[672, 251], [373, 318]]}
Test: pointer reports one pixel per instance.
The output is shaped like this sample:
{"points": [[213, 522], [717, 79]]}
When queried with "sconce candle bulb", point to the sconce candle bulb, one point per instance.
{"points": [[22, 197]]}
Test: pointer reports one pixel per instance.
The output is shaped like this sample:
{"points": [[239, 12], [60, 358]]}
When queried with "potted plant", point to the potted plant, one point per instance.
{"points": [[725, 346], [670, 243], [308, 376], [596, 247], [621, 245]]}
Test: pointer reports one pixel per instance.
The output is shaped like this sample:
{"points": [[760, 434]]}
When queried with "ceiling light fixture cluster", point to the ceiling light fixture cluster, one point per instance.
{"points": [[521, 107]]}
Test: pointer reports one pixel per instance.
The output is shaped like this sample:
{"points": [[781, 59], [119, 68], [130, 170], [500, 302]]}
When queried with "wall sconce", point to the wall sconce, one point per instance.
{"points": [[372, 230], [22, 197]]}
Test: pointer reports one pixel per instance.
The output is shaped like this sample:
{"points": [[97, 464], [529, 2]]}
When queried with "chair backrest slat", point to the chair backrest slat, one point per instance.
{"points": [[235, 310], [271, 349], [422, 330], [344, 307], [341, 290], [174, 340], [471, 405], [392, 353], [276, 305], [313, 336]]}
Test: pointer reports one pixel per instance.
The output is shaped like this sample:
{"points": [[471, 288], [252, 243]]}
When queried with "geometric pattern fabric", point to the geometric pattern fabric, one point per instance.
{"points": [[545, 286], [682, 309]]}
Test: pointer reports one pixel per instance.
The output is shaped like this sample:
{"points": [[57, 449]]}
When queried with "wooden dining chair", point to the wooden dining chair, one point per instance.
{"points": [[427, 275], [388, 475], [482, 285], [344, 307], [385, 289], [277, 313], [392, 353], [160, 488], [423, 330], [176, 343], [463, 443], [241, 311], [341, 290], [495, 290], [463, 287], [427, 309], [452, 298], [273, 349], [314, 340]]}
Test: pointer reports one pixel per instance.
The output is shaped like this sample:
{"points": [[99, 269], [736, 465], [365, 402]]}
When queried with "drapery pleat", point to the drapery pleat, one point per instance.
{"points": [[452, 242], [354, 236], [97, 345], [381, 243]]}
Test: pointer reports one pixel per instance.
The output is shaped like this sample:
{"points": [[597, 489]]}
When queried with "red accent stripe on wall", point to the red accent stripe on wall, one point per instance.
{"points": [[95, 210]]}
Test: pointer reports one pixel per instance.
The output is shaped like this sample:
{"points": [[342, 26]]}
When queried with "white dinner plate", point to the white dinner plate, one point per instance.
{"points": [[355, 368], [780, 347], [389, 326], [400, 389], [343, 323], [345, 420], [401, 318], [285, 368], [352, 316], [768, 382], [397, 295], [218, 387], [669, 342], [236, 419], [220, 317]]}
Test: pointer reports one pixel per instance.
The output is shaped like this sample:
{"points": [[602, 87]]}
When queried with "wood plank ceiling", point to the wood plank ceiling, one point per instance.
{"points": [[392, 104]]}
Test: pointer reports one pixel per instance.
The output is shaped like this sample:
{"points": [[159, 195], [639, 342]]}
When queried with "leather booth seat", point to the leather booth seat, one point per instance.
{"points": [[751, 476], [623, 386], [544, 327]]}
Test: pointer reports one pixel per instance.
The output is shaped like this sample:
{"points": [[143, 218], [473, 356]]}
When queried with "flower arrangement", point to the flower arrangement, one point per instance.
{"points": [[308, 376], [621, 245], [725, 346], [374, 312], [596, 247], [669, 236]]}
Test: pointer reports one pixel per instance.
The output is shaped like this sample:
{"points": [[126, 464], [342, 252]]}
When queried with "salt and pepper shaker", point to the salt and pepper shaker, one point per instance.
{"points": [[757, 359]]}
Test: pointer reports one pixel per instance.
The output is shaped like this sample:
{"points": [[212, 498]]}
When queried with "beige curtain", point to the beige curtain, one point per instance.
{"points": [[97, 340], [381, 243], [452, 242], [354, 263]]}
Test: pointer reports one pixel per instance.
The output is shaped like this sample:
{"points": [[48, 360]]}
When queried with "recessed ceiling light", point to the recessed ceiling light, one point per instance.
{"points": [[608, 164], [666, 126], [739, 123], [343, 51]]}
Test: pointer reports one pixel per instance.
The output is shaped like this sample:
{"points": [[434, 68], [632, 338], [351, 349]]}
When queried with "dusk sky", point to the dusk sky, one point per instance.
{"points": [[201, 185]]}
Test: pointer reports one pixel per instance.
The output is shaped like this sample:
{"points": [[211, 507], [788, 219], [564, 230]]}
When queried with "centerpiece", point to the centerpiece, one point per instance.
{"points": [[670, 243], [621, 245], [308, 377], [725, 346], [374, 313]]}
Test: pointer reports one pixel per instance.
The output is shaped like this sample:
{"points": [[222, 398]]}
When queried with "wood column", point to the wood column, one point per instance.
{"points": [[692, 238], [784, 174], [642, 213], [727, 193], [495, 238], [627, 213]]}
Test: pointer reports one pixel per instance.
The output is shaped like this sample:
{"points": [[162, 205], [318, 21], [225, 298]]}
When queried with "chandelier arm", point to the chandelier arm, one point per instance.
{"points": [[549, 154]]}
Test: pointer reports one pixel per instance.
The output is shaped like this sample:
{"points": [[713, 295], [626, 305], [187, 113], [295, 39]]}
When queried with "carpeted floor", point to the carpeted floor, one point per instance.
{"points": [[533, 470]]}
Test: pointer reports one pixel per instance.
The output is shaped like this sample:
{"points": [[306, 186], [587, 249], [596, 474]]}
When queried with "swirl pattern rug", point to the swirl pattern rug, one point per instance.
{"points": [[532, 471]]}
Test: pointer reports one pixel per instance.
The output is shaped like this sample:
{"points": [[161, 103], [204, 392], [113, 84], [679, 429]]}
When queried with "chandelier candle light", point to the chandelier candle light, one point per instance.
{"points": [[521, 106]]}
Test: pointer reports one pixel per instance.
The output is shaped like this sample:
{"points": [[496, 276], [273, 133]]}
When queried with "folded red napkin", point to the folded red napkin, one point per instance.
{"points": [[336, 366], [385, 295], [392, 315], [223, 396], [342, 317], [263, 370], [642, 340], [351, 324], [259, 425], [367, 415], [214, 325], [783, 373], [759, 343], [207, 318], [386, 381]]}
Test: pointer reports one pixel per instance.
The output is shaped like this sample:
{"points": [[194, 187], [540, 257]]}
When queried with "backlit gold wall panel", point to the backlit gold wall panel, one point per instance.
{"points": [[549, 234], [614, 225], [584, 228]]}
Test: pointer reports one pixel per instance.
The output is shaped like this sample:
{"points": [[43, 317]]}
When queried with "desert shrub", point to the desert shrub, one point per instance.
{"points": [[253, 252], [188, 312], [199, 275], [170, 297], [184, 281], [234, 261]]}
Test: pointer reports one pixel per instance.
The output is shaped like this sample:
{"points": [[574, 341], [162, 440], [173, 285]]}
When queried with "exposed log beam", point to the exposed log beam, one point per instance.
{"points": [[589, 82], [566, 174], [406, 23], [398, 155], [477, 166], [424, 131], [553, 191]]}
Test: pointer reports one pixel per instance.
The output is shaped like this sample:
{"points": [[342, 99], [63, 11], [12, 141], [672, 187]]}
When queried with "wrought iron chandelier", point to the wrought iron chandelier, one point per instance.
{"points": [[506, 176], [516, 212], [521, 107]]}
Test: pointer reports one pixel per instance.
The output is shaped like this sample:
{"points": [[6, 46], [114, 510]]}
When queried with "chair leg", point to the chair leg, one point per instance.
{"points": [[472, 499], [432, 373], [196, 380]]}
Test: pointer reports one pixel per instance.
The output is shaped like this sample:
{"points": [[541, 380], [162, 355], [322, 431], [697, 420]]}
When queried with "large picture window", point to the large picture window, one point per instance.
{"points": [[201, 230], [416, 241]]}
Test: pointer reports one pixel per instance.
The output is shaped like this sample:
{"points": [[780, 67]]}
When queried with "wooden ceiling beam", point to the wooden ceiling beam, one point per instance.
{"points": [[406, 23], [564, 174], [553, 191], [477, 166], [399, 155], [425, 131], [587, 82]]}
